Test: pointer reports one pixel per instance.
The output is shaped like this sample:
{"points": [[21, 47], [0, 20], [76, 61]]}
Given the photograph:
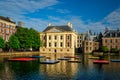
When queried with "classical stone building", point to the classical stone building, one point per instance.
{"points": [[58, 39], [7, 27], [111, 39]]}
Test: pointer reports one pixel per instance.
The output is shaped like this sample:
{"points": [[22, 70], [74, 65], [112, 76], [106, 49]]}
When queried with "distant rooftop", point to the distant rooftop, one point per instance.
{"points": [[112, 33], [6, 19]]}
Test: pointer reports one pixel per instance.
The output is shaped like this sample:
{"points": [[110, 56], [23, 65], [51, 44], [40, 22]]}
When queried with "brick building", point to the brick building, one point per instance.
{"points": [[111, 39], [7, 28]]}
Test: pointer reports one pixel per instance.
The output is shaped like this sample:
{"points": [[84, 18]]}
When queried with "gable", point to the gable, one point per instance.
{"points": [[54, 30]]}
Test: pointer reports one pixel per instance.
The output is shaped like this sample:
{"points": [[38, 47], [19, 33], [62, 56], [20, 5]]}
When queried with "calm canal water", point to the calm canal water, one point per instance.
{"points": [[63, 70]]}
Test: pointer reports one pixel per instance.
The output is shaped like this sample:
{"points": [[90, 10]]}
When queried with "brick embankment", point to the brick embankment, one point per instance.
{"points": [[18, 53]]}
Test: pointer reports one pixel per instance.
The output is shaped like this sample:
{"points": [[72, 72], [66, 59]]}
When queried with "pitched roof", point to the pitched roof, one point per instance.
{"points": [[62, 28], [112, 33], [6, 19]]}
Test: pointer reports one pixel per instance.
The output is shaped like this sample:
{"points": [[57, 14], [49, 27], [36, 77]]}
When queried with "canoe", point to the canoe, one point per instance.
{"points": [[21, 59], [63, 58], [100, 61], [49, 62], [115, 60]]}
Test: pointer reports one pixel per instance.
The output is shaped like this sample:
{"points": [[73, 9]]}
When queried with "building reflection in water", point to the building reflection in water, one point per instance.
{"points": [[5, 72], [63, 68]]}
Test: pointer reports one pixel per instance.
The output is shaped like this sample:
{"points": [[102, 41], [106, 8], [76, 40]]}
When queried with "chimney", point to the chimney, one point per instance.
{"points": [[49, 24], [70, 24]]}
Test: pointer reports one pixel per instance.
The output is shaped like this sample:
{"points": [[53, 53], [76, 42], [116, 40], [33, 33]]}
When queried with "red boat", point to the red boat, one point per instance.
{"points": [[100, 61], [21, 59]]}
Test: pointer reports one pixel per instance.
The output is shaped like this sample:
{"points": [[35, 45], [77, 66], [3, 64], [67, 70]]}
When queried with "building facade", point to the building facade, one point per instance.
{"points": [[7, 28], [58, 39], [90, 44], [80, 39], [87, 46], [111, 39]]}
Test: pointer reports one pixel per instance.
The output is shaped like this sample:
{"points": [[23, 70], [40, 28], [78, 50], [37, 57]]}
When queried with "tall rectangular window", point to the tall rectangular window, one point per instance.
{"points": [[49, 37], [55, 44], [55, 37], [68, 37], [61, 37], [49, 44], [90, 43], [116, 40], [61, 44], [68, 44], [86, 43], [86, 48]]}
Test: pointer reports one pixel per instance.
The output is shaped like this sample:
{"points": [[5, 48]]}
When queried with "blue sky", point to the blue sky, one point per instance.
{"points": [[83, 14]]}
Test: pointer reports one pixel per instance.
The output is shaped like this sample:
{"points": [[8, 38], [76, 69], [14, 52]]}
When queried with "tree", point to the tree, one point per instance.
{"points": [[35, 39], [28, 38], [13, 42], [1, 43], [104, 49], [23, 37]]}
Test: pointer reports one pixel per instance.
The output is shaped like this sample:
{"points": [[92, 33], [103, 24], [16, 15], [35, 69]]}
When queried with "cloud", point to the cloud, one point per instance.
{"points": [[78, 23], [18, 8], [113, 19], [38, 24], [64, 11], [24, 6]]}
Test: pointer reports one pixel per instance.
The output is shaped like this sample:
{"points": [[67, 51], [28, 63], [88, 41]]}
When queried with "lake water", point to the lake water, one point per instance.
{"points": [[63, 70]]}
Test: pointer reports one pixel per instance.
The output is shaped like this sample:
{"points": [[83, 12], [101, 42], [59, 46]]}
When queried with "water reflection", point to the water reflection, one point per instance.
{"points": [[63, 70]]}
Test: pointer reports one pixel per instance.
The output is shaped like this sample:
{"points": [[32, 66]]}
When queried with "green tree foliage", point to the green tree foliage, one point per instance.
{"points": [[104, 49], [14, 42], [34, 38], [1, 43], [28, 38]]}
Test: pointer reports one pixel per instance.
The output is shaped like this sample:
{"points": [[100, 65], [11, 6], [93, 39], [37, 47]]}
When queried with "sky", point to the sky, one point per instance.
{"points": [[95, 15]]}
